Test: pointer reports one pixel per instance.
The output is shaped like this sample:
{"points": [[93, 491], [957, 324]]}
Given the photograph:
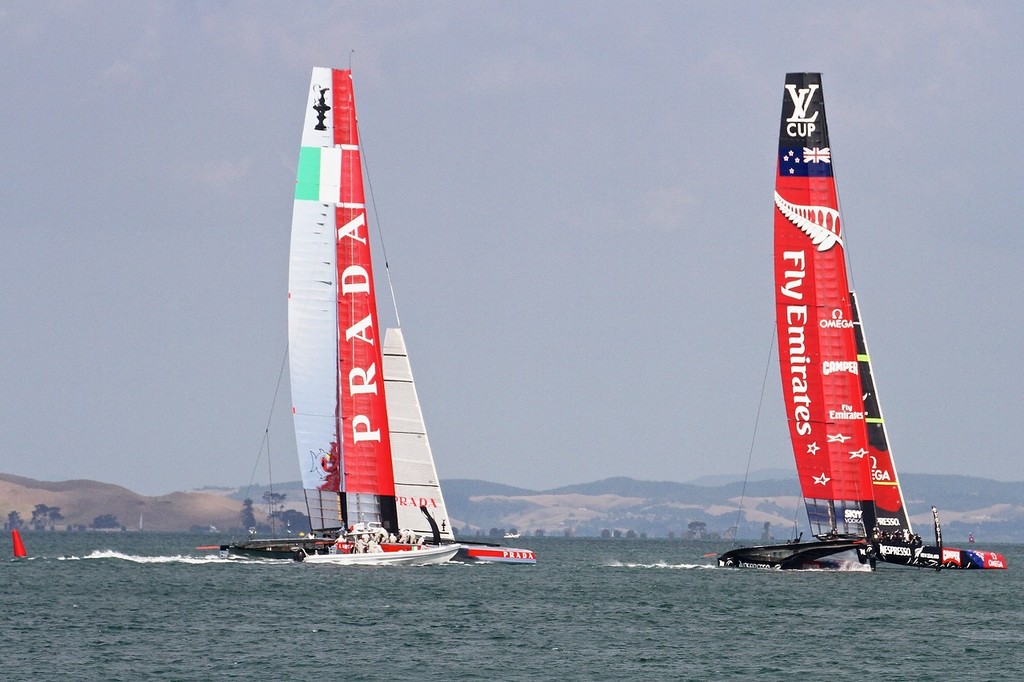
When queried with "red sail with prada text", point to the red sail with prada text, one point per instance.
{"points": [[817, 343], [366, 445]]}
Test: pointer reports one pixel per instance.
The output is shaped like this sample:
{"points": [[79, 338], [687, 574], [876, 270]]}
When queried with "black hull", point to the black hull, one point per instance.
{"points": [[273, 548], [821, 555], [807, 555], [930, 556]]}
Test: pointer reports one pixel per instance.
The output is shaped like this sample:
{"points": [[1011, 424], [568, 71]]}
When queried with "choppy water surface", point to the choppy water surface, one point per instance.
{"points": [[149, 606]]}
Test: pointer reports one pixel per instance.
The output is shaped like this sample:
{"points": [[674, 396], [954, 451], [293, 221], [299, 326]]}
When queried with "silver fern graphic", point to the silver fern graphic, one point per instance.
{"points": [[820, 223]]}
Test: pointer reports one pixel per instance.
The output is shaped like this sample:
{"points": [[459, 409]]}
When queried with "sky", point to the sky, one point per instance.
{"points": [[576, 202]]}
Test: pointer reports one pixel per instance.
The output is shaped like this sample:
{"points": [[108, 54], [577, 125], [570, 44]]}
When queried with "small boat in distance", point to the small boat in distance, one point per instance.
{"points": [[852, 494], [511, 535], [18, 544]]}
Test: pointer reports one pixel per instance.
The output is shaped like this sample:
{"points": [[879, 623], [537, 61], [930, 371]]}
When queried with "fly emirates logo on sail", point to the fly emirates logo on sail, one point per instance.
{"points": [[796, 339]]}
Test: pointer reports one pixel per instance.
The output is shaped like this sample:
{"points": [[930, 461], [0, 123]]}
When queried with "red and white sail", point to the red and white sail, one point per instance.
{"points": [[818, 338], [417, 488], [341, 424]]}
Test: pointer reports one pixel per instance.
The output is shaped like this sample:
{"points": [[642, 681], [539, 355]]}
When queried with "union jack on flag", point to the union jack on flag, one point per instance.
{"points": [[816, 155]]}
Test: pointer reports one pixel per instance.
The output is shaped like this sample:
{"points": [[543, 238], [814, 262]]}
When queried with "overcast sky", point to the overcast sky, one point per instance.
{"points": [[576, 201]]}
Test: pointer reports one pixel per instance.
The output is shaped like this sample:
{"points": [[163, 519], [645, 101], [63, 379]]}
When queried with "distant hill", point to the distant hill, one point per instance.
{"points": [[992, 510], [756, 475], [81, 502]]}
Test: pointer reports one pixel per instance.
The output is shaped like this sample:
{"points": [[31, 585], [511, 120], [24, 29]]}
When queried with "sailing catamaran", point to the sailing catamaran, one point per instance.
{"points": [[847, 476], [370, 484]]}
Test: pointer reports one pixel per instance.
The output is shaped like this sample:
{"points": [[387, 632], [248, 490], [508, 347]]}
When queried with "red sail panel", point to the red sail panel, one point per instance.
{"points": [[817, 346], [366, 443]]}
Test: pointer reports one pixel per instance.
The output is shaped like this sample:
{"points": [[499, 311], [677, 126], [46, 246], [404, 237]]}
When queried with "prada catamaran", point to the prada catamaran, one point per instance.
{"points": [[371, 488]]}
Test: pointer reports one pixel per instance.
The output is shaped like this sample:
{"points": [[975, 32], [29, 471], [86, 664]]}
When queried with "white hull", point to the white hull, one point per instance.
{"points": [[419, 556]]}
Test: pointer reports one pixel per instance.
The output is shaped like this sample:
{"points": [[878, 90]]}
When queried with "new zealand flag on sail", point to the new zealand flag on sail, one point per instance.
{"points": [[803, 162]]}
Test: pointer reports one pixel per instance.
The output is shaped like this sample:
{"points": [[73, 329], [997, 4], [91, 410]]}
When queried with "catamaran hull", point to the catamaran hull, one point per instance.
{"points": [[274, 548], [495, 554], [824, 555], [414, 556], [928, 556], [807, 555]]}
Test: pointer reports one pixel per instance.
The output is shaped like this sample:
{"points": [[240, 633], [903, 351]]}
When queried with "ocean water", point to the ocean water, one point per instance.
{"points": [[97, 606]]}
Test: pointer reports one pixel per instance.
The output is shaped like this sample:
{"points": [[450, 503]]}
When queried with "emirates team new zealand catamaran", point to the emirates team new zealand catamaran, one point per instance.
{"points": [[847, 476], [371, 487]]}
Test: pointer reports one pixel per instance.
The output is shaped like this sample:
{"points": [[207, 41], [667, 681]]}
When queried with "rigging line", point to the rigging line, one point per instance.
{"points": [[270, 475], [796, 520], [380, 233], [265, 441], [847, 252], [757, 419]]}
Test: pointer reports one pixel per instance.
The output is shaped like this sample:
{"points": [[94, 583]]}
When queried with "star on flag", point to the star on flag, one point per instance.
{"points": [[812, 448], [821, 480], [839, 438], [791, 157], [858, 454]]}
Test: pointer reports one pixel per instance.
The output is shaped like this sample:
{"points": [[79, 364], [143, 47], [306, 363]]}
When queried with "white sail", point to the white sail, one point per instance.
{"points": [[416, 481], [312, 308]]}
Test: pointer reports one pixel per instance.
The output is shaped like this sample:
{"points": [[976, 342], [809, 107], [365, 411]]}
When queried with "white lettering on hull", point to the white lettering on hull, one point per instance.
{"points": [[895, 550], [750, 564]]}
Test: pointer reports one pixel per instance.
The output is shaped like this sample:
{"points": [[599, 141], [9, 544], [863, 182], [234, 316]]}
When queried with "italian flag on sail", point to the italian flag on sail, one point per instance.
{"points": [[320, 173]]}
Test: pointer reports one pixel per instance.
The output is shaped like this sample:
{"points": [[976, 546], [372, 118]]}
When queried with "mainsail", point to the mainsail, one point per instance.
{"points": [[341, 425], [835, 425]]}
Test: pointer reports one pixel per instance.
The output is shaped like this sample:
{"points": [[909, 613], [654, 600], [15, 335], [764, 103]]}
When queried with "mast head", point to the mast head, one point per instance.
{"points": [[803, 112]]}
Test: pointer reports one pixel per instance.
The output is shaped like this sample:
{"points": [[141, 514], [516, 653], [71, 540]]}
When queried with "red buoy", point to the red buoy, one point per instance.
{"points": [[19, 546]]}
